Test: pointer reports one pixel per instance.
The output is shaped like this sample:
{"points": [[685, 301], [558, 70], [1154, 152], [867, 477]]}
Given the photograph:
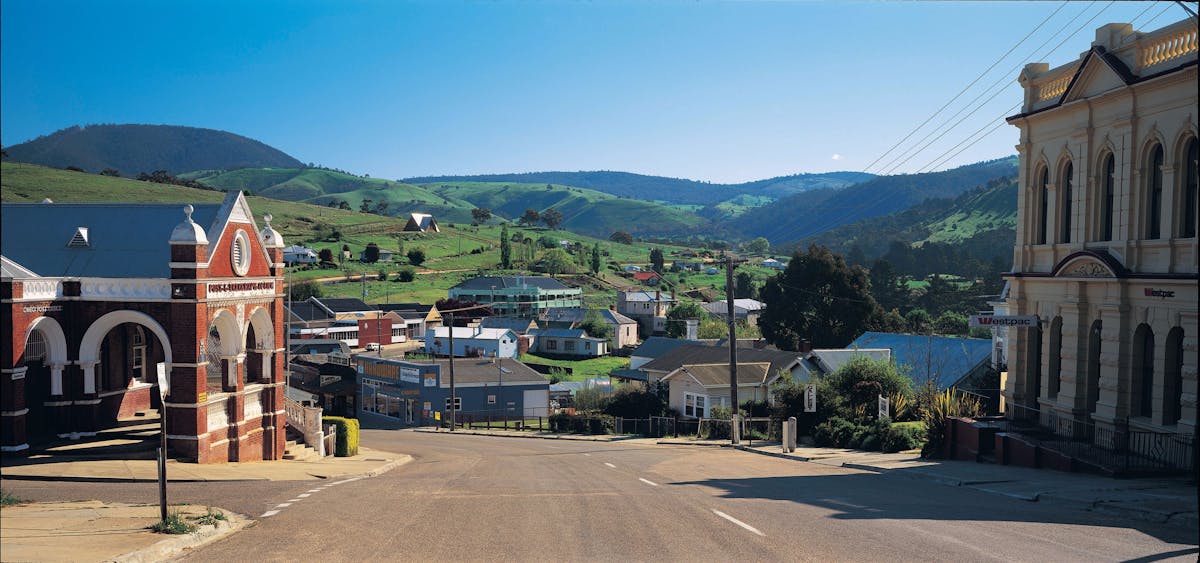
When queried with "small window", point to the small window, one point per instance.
{"points": [[491, 399], [239, 253], [1155, 195], [457, 403], [570, 345]]}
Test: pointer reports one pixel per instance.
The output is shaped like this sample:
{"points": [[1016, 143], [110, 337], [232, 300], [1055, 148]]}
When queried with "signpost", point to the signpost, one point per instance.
{"points": [[884, 411], [810, 398], [1016, 321], [164, 387]]}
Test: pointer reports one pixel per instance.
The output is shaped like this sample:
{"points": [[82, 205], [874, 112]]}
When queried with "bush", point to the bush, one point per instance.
{"points": [[631, 401], [174, 524], [579, 424], [902, 437], [945, 405], [347, 434], [406, 275]]}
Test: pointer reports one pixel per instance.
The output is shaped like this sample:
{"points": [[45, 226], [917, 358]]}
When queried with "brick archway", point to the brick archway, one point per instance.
{"points": [[89, 347]]}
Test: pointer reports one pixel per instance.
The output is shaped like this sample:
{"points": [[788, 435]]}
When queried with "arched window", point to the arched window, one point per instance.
{"points": [[35, 348], [1107, 196], [1055, 382], [1173, 377], [137, 355], [1154, 195], [1189, 181], [1093, 365], [1142, 399], [1044, 197], [1064, 234]]}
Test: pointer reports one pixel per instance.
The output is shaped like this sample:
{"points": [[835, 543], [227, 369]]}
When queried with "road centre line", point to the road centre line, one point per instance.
{"points": [[610, 465], [589, 455], [283, 505], [648, 482], [295, 499], [738, 522], [345, 481], [269, 513], [314, 490], [303, 495]]}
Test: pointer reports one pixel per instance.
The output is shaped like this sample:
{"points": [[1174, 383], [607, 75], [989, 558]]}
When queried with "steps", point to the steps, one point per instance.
{"points": [[296, 450]]}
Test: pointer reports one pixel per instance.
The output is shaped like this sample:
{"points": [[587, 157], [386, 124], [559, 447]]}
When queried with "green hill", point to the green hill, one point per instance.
{"points": [[133, 149], [986, 215], [584, 211], [805, 215], [659, 188]]}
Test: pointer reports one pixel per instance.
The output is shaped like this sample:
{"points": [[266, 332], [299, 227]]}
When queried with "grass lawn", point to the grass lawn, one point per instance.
{"points": [[582, 369]]}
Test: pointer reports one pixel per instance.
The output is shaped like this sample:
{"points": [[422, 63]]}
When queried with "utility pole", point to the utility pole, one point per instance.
{"points": [[733, 391], [450, 316]]}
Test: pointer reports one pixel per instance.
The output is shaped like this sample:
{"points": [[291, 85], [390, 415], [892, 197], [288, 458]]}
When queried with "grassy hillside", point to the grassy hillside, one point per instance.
{"points": [[658, 188], [800, 216], [584, 211], [457, 253], [132, 149], [987, 209]]}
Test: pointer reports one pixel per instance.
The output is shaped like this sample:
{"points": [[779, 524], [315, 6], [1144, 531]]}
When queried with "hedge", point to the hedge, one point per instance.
{"points": [[347, 434]]}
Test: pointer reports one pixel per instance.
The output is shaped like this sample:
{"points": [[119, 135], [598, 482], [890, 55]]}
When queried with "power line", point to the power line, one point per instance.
{"points": [[999, 82], [967, 87]]}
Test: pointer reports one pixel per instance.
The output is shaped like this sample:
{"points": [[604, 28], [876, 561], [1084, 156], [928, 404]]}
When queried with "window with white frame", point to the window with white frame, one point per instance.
{"points": [[491, 399], [457, 403], [137, 355], [694, 405]]}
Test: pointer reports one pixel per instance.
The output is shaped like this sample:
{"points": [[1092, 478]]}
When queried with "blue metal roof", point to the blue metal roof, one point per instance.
{"points": [[946, 359], [124, 240], [656, 346]]}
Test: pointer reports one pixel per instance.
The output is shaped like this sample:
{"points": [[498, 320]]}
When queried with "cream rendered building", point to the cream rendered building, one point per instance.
{"points": [[1106, 250]]}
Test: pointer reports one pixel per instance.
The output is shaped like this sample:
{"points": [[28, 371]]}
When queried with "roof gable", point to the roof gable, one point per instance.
{"points": [[235, 209], [1098, 73]]}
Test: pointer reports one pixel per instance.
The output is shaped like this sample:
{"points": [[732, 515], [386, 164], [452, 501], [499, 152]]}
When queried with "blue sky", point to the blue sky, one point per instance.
{"points": [[717, 91]]}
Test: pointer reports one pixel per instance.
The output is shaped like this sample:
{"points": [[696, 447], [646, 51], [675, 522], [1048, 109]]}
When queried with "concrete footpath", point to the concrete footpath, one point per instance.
{"points": [[100, 531], [1166, 500], [62, 468]]}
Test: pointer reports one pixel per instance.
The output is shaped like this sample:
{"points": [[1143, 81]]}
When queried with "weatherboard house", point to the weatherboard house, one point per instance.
{"points": [[105, 305]]}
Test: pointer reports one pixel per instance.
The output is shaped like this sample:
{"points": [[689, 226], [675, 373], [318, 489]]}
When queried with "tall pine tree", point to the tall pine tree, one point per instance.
{"points": [[505, 248]]}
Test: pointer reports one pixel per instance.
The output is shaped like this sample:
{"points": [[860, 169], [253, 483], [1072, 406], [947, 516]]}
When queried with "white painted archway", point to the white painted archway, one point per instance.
{"points": [[56, 349], [89, 348]]}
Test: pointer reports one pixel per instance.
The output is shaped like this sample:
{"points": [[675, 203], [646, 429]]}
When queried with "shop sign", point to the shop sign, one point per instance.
{"points": [[1019, 321], [431, 379], [1160, 293]]}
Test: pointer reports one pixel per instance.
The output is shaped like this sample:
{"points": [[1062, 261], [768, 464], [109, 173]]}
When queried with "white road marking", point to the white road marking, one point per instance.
{"points": [[610, 465], [345, 481], [738, 522], [283, 505], [295, 499], [314, 490], [648, 482], [269, 513], [589, 455], [303, 495]]}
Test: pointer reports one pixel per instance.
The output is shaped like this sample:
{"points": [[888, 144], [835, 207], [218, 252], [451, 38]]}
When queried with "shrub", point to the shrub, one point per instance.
{"points": [[382, 276], [406, 275], [902, 437], [631, 401], [6, 499], [945, 405], [579, 424], [870, 442], [174, 524], [347, 434]]}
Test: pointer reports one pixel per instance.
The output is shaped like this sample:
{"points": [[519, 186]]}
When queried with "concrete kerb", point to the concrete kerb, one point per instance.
{"points": [[402, 459], [176, 545]]}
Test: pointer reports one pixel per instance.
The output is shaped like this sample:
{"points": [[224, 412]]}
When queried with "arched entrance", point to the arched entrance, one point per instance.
{"points": [[259, 344], [44, 356], [222, 348], [121, 355]]}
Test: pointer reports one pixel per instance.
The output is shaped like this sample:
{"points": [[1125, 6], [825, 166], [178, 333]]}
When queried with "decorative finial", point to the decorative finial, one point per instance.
{"points": [[268, 218], [187, 210]]}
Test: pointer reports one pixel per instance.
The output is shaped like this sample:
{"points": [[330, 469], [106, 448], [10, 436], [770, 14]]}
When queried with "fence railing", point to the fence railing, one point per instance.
{"points": [[1118, 448], [307, 421]]}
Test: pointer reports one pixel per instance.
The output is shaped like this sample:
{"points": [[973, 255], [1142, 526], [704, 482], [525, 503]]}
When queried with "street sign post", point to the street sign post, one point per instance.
{"points": [[884, 411], [1016, 321], [810, 398], [164, 387]]}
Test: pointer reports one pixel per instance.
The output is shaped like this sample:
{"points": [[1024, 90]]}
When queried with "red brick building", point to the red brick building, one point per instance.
{"points": [[102, 303]]}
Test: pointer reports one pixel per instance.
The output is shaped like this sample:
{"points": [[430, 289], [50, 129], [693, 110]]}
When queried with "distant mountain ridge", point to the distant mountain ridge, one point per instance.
{"points": [[660, 188], [804, 215], [133, 149]]}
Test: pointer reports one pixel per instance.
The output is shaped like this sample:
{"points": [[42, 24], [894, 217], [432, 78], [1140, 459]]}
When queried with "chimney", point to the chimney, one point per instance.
{"points": [[693, 326], [805, 346]]}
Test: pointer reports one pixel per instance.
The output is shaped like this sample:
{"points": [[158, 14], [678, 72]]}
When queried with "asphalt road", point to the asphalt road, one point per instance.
{"points": [[504, 499]]}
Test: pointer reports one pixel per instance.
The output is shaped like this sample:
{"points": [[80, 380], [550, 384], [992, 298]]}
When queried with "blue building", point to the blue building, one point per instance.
{"points": [[410, 392]]}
